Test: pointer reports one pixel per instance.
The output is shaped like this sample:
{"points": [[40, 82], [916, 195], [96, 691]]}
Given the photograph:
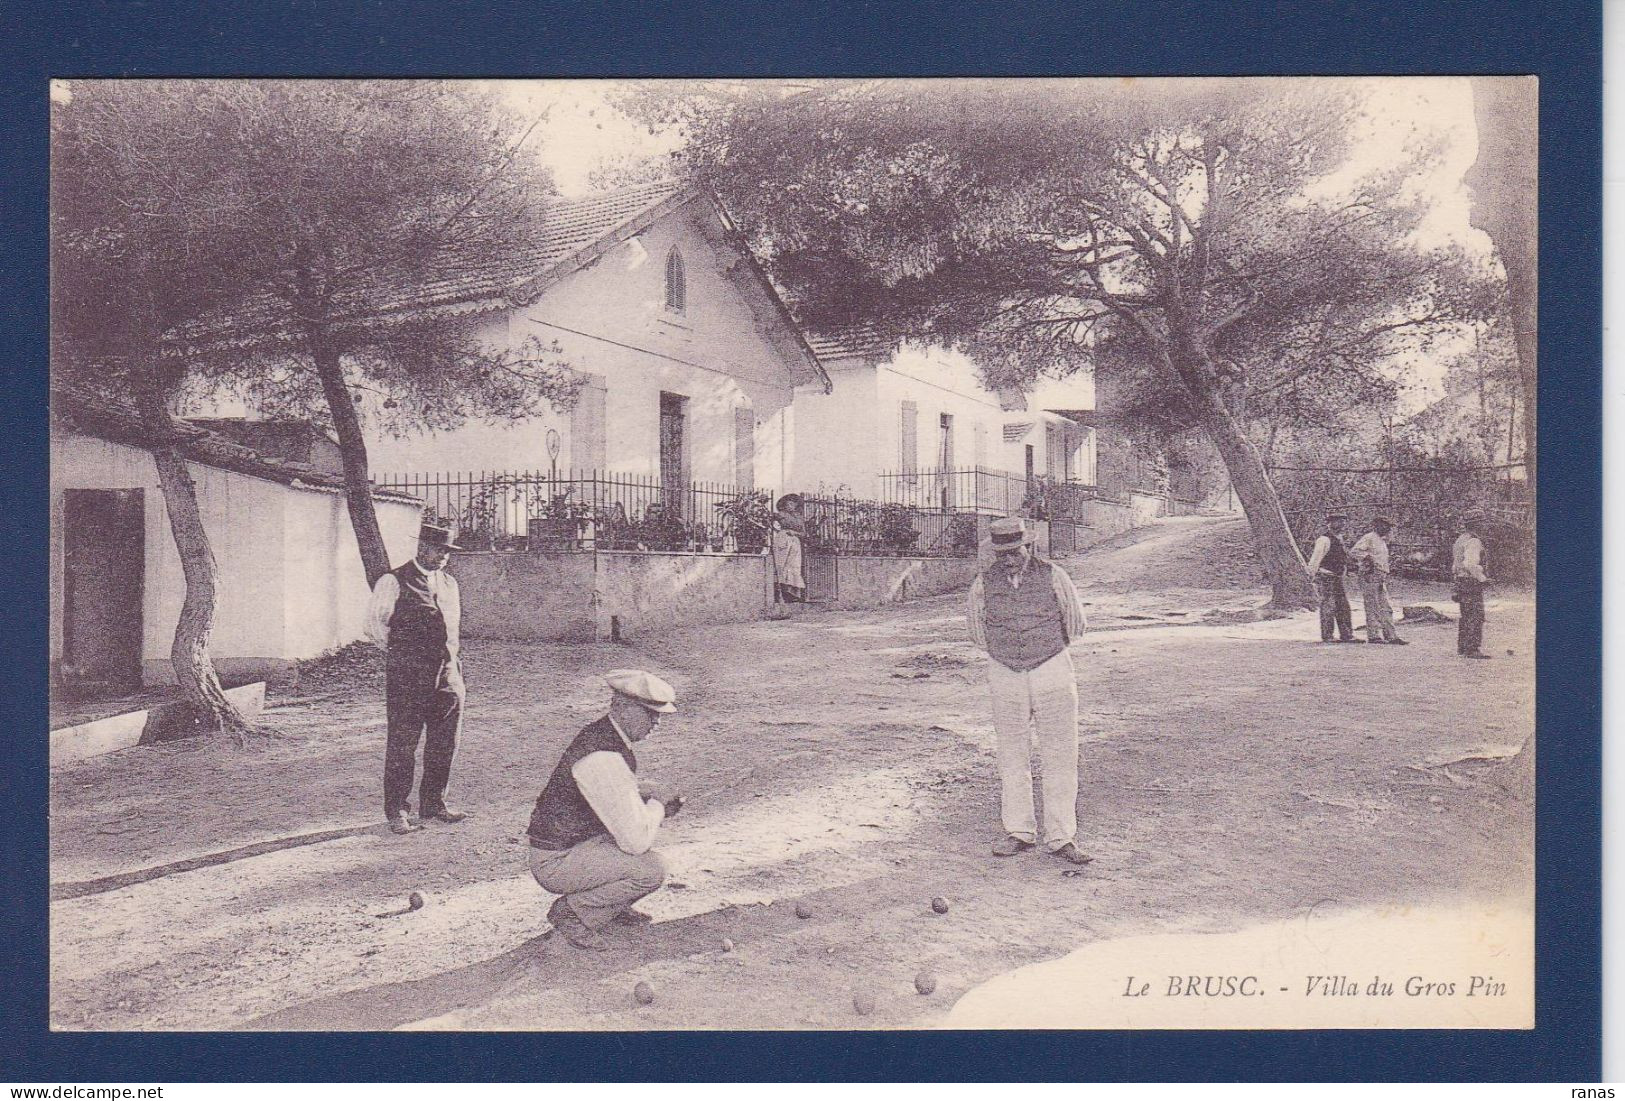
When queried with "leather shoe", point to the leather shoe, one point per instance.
{"points": [[1010, 846], [570, 927], [445, 814], [630, 916], [399, 823], [1397, 642], [1072, 854], [1479, 656]]}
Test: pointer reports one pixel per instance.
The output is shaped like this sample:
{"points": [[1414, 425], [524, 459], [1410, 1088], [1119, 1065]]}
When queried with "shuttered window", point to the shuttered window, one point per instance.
{"points": [[676, 283], [745, 448], [908, 440]]}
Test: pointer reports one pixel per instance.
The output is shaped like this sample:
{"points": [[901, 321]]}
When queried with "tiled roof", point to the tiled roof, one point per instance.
{"points": [[456, 279], [113, 419], [850, 342]]}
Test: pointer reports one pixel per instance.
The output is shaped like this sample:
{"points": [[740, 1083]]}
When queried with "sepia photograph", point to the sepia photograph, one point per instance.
{"points": [[825, 554]]}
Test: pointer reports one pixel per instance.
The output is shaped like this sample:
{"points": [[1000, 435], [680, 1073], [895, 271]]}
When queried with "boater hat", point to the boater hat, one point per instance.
{"points": [[645, 688], [437, 536], [1009, 531]]}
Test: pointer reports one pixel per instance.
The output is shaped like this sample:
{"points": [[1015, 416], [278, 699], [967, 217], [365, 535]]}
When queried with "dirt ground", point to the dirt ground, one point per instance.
{"points": [[1231, 773]]}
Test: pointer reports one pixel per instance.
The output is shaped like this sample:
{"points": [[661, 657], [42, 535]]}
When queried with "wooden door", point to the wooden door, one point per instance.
{"points": [[103, 568], [673, 452]]}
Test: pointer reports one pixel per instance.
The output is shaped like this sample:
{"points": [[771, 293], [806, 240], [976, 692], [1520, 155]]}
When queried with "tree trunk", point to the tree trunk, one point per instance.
{"points": [[1502, 183], [189, 652], [1272, 536], [369, 537]]}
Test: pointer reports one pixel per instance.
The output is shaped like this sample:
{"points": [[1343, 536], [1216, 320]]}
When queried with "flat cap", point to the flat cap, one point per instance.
{"points": [[646, 688]]}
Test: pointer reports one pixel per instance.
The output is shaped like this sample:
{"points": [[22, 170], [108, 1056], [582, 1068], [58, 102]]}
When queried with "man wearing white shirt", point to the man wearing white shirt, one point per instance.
{"points": [[1370, 557], [1025, 614], [1467, 568], [593, 828], [415, 615]]}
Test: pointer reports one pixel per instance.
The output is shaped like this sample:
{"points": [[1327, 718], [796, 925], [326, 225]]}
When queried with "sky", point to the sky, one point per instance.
{"points": [[584, 133]]}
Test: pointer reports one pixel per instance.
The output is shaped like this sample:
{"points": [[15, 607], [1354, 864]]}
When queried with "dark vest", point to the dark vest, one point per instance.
{"points": [[562, 817], [1337, 555], [1023, 626], [417, 629]]}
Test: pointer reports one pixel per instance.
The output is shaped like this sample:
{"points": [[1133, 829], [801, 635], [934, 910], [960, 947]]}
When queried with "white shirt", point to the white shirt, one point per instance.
{"points": [[1066, 595], [1372, 546], [442, 586], [611, 790], [1467, 557], [1323, 545]]}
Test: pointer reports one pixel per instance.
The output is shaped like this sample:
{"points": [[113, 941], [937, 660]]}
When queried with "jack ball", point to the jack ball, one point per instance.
{"points": [[925, 982], [864, 1003], [643, 993], [803, 910], [939, 905], [414, 901]]}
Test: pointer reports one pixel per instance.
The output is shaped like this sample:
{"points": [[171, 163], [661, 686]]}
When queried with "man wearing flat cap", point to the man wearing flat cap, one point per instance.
{"points": [[415, 614], [1024, 612], [593, 829]]}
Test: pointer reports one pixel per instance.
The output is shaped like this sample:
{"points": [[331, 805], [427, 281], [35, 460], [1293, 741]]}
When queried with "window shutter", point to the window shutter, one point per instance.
{"points": [[676, 283], [745, 448], [908, 447], [587, 436]]}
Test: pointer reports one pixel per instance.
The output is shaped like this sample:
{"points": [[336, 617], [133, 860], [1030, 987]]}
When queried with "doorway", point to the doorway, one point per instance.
{"points": [[673, 451], [103, 576]]}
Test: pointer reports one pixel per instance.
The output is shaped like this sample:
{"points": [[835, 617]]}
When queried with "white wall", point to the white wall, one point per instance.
{"points": [[837, 439], [291, 583], [1072, 444], [610, 320]]}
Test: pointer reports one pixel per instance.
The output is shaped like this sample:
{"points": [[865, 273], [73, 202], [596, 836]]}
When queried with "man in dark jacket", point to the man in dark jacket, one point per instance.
{"points": [[593, 828], [415, 615], [1327, 565]]}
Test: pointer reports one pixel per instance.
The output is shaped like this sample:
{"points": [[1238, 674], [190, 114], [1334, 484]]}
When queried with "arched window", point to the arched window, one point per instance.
{"points": [[676, 283]]}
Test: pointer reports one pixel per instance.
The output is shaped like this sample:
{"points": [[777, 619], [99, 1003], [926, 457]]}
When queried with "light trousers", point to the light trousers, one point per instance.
{"points": [[1041, 701], [1379, 613], [596, 878]]}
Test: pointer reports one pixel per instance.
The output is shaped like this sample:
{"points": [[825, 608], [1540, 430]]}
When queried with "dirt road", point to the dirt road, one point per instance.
{"points": [[1231, 773]]}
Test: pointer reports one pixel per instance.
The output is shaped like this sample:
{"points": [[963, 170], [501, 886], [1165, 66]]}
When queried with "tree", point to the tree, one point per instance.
{"points": [[369, 195], [1187, 232], [143, 237], [1504, 196]]}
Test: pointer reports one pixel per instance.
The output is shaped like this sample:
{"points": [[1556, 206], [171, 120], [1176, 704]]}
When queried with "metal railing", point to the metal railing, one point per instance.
{"points": [[583, 510], [992, 492]]}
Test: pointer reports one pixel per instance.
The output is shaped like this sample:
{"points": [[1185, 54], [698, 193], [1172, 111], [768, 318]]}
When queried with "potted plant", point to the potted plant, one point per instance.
{"points": [[747, 516], [661, 528]]}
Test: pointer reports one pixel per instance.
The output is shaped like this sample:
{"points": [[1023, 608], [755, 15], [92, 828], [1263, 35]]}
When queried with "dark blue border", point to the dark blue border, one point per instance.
{"points": [[1559, 41]]}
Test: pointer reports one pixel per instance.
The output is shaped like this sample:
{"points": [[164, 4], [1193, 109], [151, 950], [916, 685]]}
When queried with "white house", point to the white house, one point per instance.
{"points": [[912, 423], [291, 581], [689, 359]]}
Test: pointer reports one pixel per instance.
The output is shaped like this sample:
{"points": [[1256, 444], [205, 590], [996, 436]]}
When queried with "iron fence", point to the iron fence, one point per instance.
{"points": [[1424, 502], [511, 510], [992, 492], [535, 510]]}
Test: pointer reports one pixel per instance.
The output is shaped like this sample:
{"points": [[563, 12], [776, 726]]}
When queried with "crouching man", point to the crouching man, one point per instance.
{"points": [[593, 829]]}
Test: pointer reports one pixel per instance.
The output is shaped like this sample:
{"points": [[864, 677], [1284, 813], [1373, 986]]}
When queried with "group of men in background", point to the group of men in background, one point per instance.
{"points": [[1369, 559]]}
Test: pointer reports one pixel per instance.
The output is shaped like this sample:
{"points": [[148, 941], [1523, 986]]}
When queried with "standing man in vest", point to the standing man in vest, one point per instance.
{"points": [[1327, 564], [1024, 612], [593, 829], [1370, 557], [1467, 568], [415, 615]]}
